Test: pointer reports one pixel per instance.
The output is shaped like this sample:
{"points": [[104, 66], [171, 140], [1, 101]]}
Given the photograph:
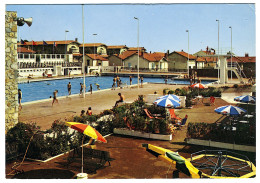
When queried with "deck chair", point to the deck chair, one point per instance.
{"points": [[150, 115], [182, 123], [173, 115], [212, 100], [127, 124]]}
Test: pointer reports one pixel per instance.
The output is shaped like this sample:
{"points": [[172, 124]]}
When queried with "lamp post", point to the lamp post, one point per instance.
{"points": [[231, 52], [188, 53], [94, 46], [218, 51], [66, 44], [83, 52], [138, 52]]}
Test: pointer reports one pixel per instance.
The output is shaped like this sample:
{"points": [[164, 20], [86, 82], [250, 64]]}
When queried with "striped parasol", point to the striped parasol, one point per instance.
{"points": [[230, 110], [174, 97], [86, 130], [167, 101], [245, 99], [199, 85]]}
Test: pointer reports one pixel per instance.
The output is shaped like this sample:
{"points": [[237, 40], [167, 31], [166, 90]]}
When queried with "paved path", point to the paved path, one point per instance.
{"points": [[43, 113]]}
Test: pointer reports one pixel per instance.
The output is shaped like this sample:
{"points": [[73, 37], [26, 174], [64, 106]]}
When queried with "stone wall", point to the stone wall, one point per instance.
{"points": [[11, 72]]}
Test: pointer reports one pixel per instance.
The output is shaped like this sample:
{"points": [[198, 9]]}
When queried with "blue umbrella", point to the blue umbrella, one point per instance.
{"points": [[175, 97], [245, 99], [167, 101], [230, 110]]}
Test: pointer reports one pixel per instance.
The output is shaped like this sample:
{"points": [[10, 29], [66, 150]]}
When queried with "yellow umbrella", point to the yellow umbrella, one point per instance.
{"points": [[86, 130]]}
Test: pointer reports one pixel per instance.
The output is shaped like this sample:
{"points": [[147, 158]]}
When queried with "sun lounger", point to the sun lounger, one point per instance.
{"points": [[150, 115], [182, 123], [173, 115]]}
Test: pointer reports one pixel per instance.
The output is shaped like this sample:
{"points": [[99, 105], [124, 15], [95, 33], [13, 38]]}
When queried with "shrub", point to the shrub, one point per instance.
{"points": [[235, 86], [171, 92]]}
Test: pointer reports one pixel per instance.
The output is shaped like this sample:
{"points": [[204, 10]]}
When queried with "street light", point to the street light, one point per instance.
{"points": [[94, 46], [188, 53], [231, 52], [138, 52], [66, 44], [83, 52], [218, 50]]}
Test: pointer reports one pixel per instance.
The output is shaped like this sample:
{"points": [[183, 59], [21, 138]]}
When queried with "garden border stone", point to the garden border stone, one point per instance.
{"points": [[220, 145], [124, 131]]}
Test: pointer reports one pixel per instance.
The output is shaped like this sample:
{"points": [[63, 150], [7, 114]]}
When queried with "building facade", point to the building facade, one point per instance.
{"points": [[178, 61]]}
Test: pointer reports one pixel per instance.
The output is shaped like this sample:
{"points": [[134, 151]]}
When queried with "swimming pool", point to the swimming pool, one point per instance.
{"points": [[44, 89]]}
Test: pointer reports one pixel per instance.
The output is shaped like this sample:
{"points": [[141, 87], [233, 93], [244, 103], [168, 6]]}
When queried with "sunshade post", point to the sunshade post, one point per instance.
{"points": [[86, 130], [82, 157]]}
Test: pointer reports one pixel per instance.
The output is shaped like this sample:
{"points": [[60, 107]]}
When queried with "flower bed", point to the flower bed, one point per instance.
{"points": [[222, 132]]}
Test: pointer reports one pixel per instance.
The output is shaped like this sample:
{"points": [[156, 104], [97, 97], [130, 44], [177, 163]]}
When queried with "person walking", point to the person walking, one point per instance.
{"points": [[142, 80], [130, 78], [69, 88], [81, 88], [114, 83], [55, 97], [20, 98], [90, 88]]}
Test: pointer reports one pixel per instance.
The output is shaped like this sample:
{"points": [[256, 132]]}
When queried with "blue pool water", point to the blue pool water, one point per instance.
{"points": [[44, 89]]}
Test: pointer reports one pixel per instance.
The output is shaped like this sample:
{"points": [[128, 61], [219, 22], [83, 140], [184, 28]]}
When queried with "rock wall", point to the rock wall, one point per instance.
{"points": [[11, 71]]}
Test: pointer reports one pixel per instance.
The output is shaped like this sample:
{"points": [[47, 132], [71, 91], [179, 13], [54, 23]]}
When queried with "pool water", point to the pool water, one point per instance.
{"points": [[44, 89]]}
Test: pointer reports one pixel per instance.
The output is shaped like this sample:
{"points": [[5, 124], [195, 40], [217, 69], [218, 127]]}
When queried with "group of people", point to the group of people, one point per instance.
{"points": [[116, 82], [88, 113], [82, 87]]}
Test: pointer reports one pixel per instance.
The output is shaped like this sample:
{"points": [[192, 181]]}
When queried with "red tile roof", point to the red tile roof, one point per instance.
{"points": [[182, 53], [24, 50], [242, 59], [153, 57], [48, 42], [116, 47], [126, 54], [92, 44], [207, 59], [136, 49], [97, 57]]}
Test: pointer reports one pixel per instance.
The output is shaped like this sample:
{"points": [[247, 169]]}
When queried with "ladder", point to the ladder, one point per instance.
{"points": [[235, 67]]}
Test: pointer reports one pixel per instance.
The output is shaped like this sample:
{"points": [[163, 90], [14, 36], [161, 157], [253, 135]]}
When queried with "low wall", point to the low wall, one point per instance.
{"points": [[124, 131], [210, 143]]}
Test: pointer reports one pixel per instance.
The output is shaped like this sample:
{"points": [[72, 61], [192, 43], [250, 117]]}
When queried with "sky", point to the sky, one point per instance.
{"points": [[162, 27]]}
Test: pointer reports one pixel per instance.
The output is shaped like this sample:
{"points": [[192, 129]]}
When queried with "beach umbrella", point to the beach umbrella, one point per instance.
{"points": [[86, 130], [230, 110], [199, 85], [174, 97], [167, 101], [245, 99]]}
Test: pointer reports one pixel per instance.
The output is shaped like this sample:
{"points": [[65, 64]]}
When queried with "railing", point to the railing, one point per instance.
{"points": [[237, 67]]}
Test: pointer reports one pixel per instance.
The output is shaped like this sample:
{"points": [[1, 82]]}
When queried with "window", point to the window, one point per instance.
{"points": [[58, 56], [48, 56], [62, 56], [53, 56], [42, 56]]}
